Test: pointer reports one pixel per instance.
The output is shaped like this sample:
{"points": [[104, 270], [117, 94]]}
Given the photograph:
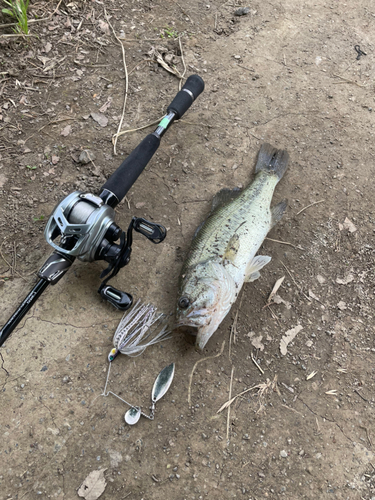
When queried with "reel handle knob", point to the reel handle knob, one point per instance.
{"points": [[117, 298]]}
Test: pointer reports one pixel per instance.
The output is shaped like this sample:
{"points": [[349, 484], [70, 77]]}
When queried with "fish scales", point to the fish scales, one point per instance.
{"points": [[223, 252], [225, 221]]}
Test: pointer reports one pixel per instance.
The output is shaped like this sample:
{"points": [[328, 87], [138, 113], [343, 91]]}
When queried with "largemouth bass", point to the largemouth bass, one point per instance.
{"points": [[223, 252]]}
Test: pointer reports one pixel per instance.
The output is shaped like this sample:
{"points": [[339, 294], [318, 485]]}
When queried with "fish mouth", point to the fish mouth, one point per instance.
{"points": [[190, 332], [191, 325], [197, 334]]}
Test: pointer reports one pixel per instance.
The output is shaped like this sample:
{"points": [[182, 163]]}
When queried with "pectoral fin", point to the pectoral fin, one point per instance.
{"points": [[253, 268]]}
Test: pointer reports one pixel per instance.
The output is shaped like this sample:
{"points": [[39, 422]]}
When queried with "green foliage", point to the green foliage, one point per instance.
{"points": [[169, 32], [31, 167], [38, 219], [18, 10]]}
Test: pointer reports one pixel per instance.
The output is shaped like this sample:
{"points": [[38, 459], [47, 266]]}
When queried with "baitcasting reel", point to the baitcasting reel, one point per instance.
{"points": [[84, 227], [83, 224]]}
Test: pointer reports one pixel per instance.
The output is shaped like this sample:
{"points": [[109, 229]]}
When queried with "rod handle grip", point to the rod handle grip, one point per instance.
{"points": [[193, 87]]}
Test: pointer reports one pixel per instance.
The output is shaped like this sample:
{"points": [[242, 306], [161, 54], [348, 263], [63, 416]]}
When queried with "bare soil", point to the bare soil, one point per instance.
{"points": [[286, 73]]}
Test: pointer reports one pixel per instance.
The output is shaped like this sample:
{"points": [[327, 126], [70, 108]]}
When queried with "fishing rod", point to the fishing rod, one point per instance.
{"points": [[82, 226]]}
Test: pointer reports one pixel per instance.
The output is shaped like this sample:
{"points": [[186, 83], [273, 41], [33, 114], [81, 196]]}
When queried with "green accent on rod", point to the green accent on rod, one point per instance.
{"points": [[165, 122]]}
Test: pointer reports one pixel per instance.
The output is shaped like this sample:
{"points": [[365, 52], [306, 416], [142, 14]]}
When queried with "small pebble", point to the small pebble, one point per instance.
{"points": [[242, 11], [283, 454], [86, 156]]}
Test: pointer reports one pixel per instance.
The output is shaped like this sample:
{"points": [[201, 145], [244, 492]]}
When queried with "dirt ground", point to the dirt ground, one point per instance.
{"points": [[286, 73]]}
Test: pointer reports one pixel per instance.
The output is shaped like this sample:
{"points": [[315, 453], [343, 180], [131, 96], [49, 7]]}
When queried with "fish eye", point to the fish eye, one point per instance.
{"points": [[184, 302]]}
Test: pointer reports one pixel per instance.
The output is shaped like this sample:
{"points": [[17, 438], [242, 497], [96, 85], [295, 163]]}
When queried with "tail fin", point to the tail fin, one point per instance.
{"points": [[272, 160]]}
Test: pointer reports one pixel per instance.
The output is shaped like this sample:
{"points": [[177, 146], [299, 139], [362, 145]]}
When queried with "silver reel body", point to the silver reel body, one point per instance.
{"points": [[83, 216]]}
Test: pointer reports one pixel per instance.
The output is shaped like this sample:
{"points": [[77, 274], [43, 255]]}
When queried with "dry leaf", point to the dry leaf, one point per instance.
{"points": [[105, 106], [49, 66], [93, 486], [278, 300], [47, 47], [100, 118], [141, 204], [313, 296], [43, 59], [55, 159], [348, 279], [155, 54], [66, 130], [104, 26], [348, 224], [256, 342], [288, 337], [274, 289], [321, 279]]}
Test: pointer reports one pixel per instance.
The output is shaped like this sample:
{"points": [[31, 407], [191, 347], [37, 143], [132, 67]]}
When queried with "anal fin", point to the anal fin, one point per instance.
{"points": [[278, 211], [252, 270]]}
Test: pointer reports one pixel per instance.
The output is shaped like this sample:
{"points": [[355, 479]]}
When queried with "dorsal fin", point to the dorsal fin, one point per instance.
{"points": [[224, 196], [220, 199]]}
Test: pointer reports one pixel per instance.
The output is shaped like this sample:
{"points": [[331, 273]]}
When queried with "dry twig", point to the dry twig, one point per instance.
{"points": [[196, 364], [256, 364], [285, 243], [293, 409], [262, 390], [346, 80], [11, 267], [233, 330], [311, 205], [183, 62], [230, 396], [46, 125], [294, 281], [115, 137], [139, 128]]}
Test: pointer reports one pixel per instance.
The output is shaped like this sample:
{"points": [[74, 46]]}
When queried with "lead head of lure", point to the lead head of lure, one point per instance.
{"points": [[112, 355]]}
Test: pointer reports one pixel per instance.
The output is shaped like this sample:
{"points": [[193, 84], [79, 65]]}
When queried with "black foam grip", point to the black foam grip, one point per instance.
{"points": [[183, 100], [128, 172]]}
